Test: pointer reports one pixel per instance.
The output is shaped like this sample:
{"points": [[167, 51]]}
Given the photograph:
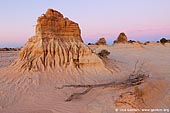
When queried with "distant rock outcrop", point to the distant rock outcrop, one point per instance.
{"points": [[9, 49], [122, 38], [101, 41], [56, 45]]}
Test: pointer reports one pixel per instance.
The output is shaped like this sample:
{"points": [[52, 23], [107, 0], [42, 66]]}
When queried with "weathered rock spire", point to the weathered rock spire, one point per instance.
{"points": [[52, 24], [56, 45], [122, 38]]}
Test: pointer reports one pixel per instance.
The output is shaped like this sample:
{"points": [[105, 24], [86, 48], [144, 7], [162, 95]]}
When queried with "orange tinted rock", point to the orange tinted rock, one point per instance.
{"points": [[53, 25], [101, 41], [122, 38], [57, 44]]}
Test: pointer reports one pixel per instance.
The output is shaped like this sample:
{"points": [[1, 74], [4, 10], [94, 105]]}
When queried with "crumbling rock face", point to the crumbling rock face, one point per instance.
{"points": [[57, 44], [54, 25], [101, 41], [122, 38]]}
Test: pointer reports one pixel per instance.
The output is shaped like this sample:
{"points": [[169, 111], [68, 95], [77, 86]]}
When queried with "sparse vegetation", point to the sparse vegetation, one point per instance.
{"points": [[163, 40], [104, 53], [115, 41], [131, 41], [91, 44]]}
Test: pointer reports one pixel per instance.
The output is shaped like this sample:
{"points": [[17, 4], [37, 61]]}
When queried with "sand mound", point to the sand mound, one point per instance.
{"points": [[128, 45]]}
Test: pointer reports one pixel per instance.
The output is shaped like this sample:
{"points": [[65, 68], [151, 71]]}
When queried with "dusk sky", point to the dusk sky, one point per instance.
{"points": [[141, 20]]}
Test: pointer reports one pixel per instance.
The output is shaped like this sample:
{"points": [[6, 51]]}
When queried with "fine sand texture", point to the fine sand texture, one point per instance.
{"points": [[37, 94], [56, 72], [7, 57]]}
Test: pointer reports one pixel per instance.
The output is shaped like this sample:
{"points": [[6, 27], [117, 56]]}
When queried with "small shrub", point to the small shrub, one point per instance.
{"points": [[104, 53], [90, 44], [163, 40], [131, 41], [115, 41]]}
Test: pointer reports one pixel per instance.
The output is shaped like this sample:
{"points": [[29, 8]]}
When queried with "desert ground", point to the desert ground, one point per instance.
{"points": [[152, 59], [56, 72], [7, 57]]}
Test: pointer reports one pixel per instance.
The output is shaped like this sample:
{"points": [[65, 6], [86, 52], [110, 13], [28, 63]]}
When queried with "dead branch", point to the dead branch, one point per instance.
{"points": [[76, 95], [136, 78], [123, 84], [135, 66], [86, 86], [137, 72], [140, 69]]}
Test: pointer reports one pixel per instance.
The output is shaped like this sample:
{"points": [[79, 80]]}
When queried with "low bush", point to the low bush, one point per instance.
{"points": [[104, 53], [163, 40]]}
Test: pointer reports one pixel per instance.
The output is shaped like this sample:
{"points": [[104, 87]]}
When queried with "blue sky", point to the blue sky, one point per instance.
{"points": [[141, 20]]}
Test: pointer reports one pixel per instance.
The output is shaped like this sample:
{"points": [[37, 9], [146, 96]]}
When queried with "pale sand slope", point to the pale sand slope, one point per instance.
{"points": [[154, 57], [39, 95], [7, 57]]}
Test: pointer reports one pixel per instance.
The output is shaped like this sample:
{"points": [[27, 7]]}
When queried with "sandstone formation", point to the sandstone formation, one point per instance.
{"points": [[55, 56], [101, 41], [56, 45], [57, 73], [122, 38]]}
